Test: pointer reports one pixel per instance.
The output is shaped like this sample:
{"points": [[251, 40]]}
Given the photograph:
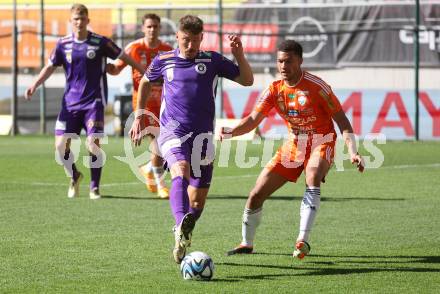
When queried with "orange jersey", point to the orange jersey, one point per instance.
{"points": [[307, 107], [141, 53]]}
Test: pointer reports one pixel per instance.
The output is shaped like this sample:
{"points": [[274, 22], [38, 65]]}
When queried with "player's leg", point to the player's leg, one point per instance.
{"points": [[198, 188], [94, 125], [179, 202], [316, 169], [96, 163], [158, 170], [267, 182], [68, 126]]}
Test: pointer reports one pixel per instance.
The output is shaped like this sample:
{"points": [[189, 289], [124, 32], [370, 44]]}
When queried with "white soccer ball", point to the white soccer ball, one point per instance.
{"points": [[197, 266]]}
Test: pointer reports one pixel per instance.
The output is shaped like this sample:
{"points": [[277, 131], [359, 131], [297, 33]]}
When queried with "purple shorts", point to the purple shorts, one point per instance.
{"points": [[198, 150], [71, 122]]}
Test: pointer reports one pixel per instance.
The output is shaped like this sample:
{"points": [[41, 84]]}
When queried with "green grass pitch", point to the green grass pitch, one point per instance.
{"points": [[377, 232]]}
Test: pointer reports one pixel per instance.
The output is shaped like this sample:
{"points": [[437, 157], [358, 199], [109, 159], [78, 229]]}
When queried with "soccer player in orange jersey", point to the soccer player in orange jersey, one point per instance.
{"points": [[143, 51], [308, 106]]}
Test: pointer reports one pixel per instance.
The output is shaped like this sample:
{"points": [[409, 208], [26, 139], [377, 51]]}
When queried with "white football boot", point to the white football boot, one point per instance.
{"points": [[182, 235], [74, 186]]}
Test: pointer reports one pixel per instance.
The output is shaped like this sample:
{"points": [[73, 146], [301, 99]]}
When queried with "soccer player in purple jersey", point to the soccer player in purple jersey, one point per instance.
{"points": [[83, 56], [187, 118]]}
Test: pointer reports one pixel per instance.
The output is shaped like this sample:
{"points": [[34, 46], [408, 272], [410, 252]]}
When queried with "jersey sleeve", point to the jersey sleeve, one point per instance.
{"points": [[265, 102], [330, 103], [110, 49], [129, 50], [56, 57], [153, 72], [227, 68]]}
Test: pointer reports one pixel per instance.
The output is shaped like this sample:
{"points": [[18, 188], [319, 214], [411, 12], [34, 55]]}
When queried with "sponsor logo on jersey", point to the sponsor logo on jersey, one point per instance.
{"points": [[200, 68], [307, 111], [292, 104], [95, 40], [302, 93], [293, 112], [91, 54], [291, 96], [203, 60]]}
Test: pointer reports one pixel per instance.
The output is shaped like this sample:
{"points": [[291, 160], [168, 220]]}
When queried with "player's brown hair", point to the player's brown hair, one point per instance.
{"points": [[291, 46], [152, 16], [191, 24], [79, 8]]}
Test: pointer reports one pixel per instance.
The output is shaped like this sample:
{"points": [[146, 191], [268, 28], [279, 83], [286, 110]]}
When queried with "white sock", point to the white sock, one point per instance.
{"points": [[251, 220], [309, 208], [158, 176]]}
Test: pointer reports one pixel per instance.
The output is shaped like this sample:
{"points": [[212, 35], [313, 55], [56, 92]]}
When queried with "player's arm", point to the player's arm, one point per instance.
{"points": [[44, 74], [246, 125], [115, 68], [347, 134], [138, 124], [130, 61], [246, 77]]}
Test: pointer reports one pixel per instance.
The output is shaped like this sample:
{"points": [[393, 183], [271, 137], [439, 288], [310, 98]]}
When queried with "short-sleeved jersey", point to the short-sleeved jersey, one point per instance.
{"points": [[84, 65], [141, 53], [190, 88], [307, 107]]}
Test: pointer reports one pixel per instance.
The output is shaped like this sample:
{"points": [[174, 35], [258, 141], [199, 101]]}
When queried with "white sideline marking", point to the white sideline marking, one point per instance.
{"points": [[403, 166]]}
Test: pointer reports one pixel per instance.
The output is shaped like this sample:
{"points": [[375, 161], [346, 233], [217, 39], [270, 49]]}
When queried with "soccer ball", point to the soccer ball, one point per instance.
{"points": [[197, 266]]}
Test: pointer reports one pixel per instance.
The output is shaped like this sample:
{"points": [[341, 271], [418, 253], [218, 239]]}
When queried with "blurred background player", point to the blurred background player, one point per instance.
{"points": [[143, 50], [82, 54], [308, 106], [187, 118]]}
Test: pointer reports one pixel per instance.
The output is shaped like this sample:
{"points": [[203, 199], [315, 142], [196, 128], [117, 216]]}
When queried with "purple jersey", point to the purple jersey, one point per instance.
{"points": [[189, 88], [84, 65]]}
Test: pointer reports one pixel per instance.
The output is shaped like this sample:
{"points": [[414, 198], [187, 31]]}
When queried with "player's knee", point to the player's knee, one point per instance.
{"points": [[180, 169], [93, 147], [314, 179]]}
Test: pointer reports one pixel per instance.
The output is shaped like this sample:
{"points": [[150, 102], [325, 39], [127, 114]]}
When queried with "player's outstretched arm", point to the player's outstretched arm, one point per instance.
{"points": [[138, 124], [246, 77], [347, 134], [246, 125], [44, 74], [130, 61]]}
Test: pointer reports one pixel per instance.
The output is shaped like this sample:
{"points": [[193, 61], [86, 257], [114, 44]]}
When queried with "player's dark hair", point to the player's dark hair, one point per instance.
{"points": [[152, 16], [80, 8], [291, 46], [191, 24]]}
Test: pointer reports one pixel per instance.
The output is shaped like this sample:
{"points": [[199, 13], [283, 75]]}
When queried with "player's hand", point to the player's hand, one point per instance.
{"points": [[235, 44], [359, 161], [29, 92], [136, 131], [225, 133], [111, 69]]}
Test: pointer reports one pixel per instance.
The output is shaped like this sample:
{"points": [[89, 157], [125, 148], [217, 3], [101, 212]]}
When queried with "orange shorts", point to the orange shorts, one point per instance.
{"points": [[294, 156]]}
